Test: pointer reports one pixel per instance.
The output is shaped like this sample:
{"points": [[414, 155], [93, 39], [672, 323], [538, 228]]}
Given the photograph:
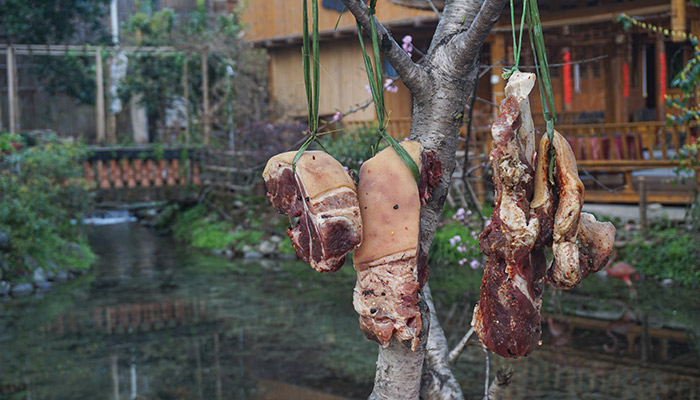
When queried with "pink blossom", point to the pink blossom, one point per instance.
{"points": [[455, 239], [390, 86], [407, 45], [462, 249], [462, 261], [367, 88], [337, 116], [474, 264]]}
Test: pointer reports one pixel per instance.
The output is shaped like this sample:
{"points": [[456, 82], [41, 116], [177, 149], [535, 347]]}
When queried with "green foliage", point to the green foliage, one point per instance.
{"points": [[200, 229], [460, 251], [39, 22], [7, 140], [666, 252], [42, 195], [285, 247], [156, 80], [353, 147], [211, 235], [61, 21]]}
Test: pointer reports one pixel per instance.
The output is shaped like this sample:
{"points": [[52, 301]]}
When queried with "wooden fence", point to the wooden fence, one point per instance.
{"points": [[140, 173]]}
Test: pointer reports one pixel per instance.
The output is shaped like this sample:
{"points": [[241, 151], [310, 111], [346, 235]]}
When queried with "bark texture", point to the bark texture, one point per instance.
{"points": [[438, 382], [440, 86]]}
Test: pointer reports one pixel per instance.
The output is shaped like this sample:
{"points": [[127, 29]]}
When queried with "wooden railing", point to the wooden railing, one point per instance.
{"points": [[609, 149], [620, 149], [109, 169]]}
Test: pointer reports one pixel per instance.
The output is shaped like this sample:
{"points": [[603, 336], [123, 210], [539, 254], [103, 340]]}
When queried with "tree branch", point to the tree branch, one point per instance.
{"points": [[457, 16], [411, 74], [500, 382], [457, 351], [438, 382], [463, 47]]}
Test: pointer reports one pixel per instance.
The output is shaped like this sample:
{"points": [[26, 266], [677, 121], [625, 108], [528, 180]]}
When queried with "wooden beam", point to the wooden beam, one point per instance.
{"points": [[590, 15], [678, 19], [99, 99], [12, 90]]}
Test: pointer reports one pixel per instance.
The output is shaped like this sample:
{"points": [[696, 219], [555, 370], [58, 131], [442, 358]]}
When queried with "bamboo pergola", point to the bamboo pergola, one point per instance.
{"points": [[13, 50]]}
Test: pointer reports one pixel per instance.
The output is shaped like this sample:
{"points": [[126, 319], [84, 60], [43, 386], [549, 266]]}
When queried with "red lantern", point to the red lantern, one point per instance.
{"points": [[567, 77], [626, 80]]}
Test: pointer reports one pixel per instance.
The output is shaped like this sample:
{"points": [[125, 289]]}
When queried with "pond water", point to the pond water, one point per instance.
{"points": [[158, 320]]}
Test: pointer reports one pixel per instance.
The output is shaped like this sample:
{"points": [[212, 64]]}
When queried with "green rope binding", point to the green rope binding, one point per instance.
{"points": [[375, 76], [310, 54]]}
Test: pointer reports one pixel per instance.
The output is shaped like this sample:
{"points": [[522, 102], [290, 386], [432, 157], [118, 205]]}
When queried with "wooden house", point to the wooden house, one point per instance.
{"points": [[609, 84]]}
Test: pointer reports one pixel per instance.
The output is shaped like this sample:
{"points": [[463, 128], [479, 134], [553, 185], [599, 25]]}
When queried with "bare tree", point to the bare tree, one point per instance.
{"points": [[440, 85]]}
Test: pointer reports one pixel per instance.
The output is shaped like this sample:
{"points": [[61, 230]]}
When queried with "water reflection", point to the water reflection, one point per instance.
{"points": [[157, 320]]}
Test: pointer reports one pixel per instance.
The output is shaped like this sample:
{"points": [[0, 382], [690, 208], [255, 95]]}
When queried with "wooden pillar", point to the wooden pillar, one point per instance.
{"points": [[12, 105], [660, 78], [206, 129], [498, 57], [678, 17], [99, 98], [612, 76]]}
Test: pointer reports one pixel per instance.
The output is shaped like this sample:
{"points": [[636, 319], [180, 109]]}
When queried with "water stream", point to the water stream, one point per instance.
{"points": [[158, 320]]}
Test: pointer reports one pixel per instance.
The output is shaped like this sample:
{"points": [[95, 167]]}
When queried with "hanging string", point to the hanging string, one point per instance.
{"points": [[375, 76], [545, 82], [310, 56], [516, 45]]}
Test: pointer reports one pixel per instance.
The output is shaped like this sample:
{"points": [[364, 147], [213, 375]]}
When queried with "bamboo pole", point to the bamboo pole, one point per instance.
{"points": [[11, 90], [206, 129], [100, 99], [186, 94]]}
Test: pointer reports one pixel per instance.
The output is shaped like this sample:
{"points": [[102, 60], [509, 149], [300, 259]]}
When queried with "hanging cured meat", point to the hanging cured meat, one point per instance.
{"points": [[529, 214], [391, 270], [507, 317], [321, 193]]}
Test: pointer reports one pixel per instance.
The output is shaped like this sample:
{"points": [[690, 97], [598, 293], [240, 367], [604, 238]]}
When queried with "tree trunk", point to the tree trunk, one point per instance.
{"points": [[440, 86]]}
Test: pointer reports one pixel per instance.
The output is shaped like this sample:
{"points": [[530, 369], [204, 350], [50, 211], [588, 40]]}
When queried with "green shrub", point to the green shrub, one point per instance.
{"points": [[200, 229], [354, 146], [42, 198], [457, 242], [666, 253]]}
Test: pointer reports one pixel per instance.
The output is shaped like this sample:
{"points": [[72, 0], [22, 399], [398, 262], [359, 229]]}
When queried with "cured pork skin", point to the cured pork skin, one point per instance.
{"points": [[519, 86], [323, 196], [390, 273]]}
